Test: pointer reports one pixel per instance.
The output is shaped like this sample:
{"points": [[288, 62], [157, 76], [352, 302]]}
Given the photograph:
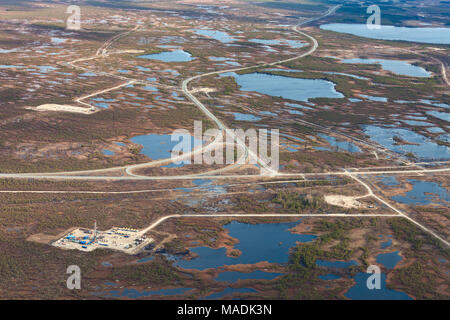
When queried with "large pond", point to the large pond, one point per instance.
{"points": [[169, 56], [216, 35], [394, 66], [423, 35], [286, 87], [420, 146], [423, 193], [159, 146], [390, 259], [360, 291], [258, 242]]}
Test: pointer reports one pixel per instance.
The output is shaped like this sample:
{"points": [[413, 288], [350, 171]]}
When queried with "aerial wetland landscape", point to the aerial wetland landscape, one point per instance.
{"points": [[96, 97]]}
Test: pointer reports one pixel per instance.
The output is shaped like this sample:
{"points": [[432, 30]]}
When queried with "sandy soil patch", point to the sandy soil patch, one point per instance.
{"points": [[204, 90], [343, 201], [128, 51], [64, 108]]}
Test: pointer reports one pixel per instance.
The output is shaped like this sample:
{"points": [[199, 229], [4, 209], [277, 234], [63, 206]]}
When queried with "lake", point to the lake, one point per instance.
{"points": [[360, 291], [423, 193], [394, 66], [244, 117], [286, 87], [159, 146], [423, 35], [258, 242], [215, 34], [169, 56], [421, 147], [389, 260]]}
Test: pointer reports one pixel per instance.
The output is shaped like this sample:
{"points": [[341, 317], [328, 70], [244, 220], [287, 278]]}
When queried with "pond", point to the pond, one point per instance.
{"points": [[394, 66], [101, 105], [56, 40], [107, 152], [433, 103], [215, 34], [169, 56], [286, 87], [419, 145], [389, 260], [423, 35], [440, 115], [258, 242], [423, 193], [8, 50], [435, 130], [88, 74], [416, 123], [46, 69], [360, 291], [159, 146], [386, 244], [244, 117], [150, 88]]}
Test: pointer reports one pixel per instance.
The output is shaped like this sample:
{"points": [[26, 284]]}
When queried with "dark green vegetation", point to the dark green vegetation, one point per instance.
{"points": [[418, 276], [409, 232], [300, 202], [333, 243], [423, 275]]}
